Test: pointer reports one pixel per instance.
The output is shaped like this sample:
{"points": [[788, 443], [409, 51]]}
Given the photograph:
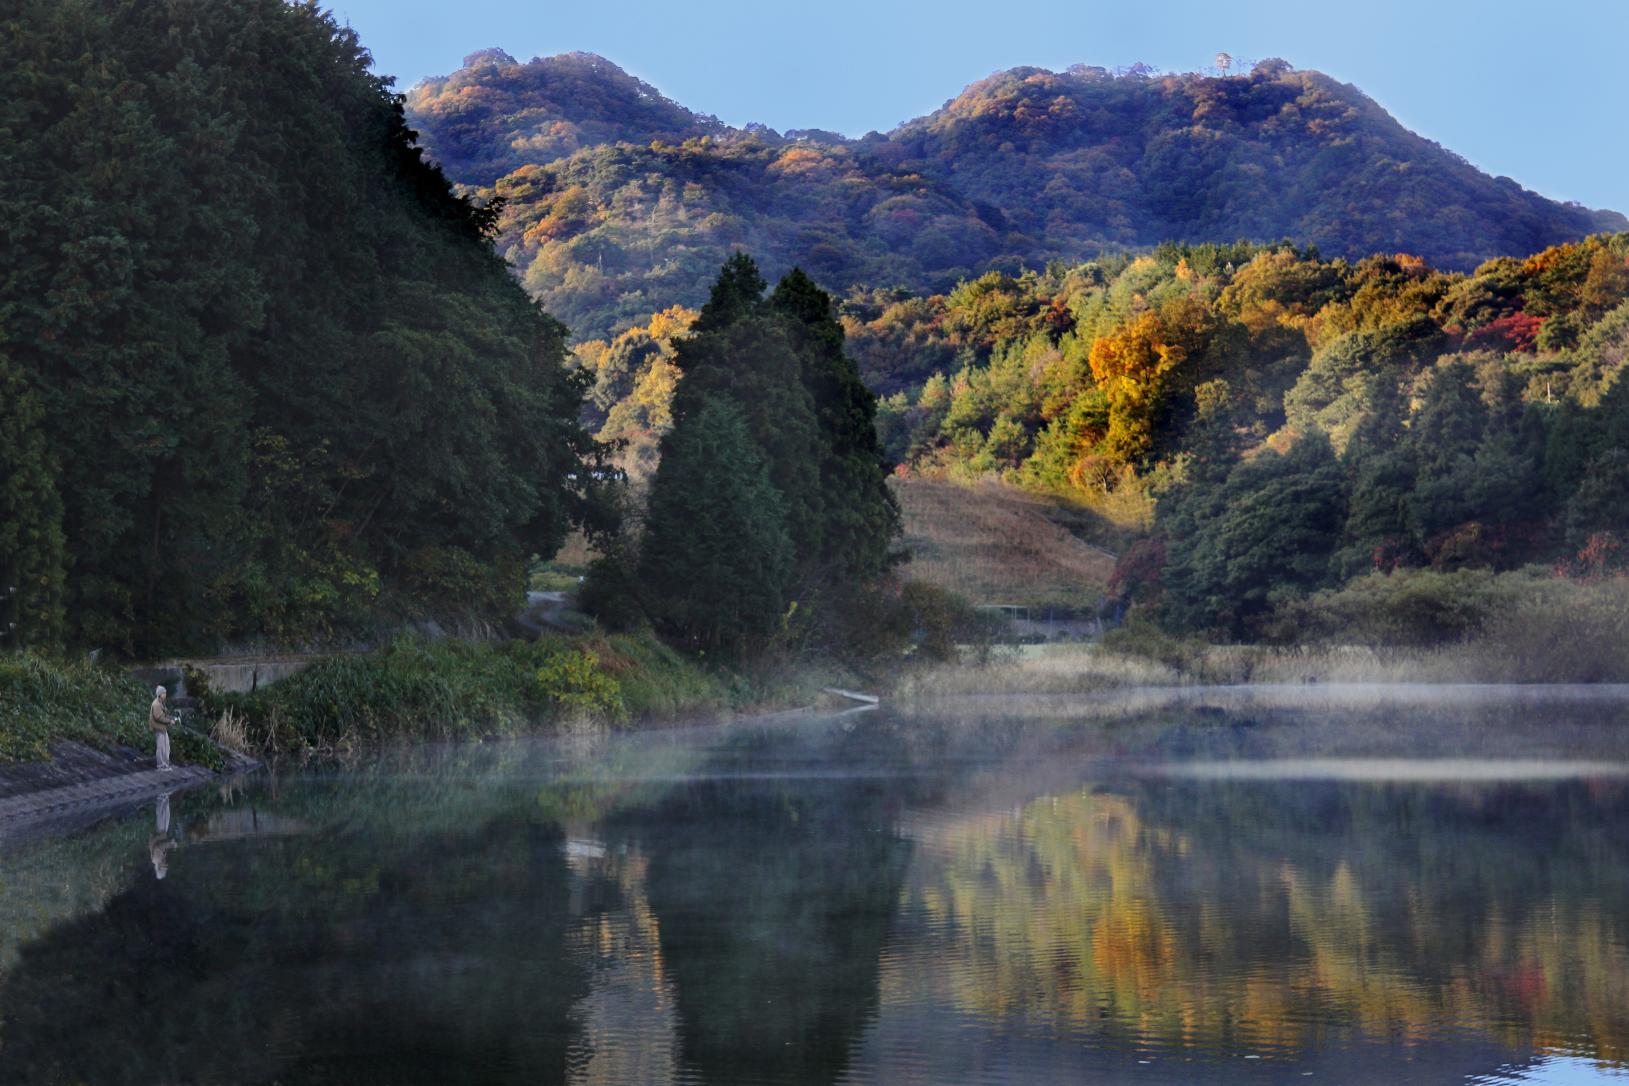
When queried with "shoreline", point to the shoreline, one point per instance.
{"points": [[81, 786]]}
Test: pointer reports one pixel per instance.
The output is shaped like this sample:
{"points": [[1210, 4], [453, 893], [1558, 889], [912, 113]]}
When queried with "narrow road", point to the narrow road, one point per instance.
{"points": [[543, 613]]}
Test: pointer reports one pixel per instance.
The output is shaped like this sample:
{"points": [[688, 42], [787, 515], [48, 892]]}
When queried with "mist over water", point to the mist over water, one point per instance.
{"points": [[1267, 886]]}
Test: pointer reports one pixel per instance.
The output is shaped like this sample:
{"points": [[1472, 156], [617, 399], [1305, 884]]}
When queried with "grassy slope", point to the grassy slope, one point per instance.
{"points": [[45, 701], [993, 543], [450, 689]]}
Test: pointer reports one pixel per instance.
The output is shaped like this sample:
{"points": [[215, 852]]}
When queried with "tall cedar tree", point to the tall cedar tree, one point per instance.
{"points": [[283, 372], [861, 516], [32, 550], [744, 351], [716, 561]]}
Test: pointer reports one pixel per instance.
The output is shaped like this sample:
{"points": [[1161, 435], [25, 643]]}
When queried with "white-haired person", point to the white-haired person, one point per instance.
{"points": [[159, 717]]}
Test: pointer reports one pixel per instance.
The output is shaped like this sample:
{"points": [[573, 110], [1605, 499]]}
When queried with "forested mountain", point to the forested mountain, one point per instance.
{"points": [[1279, 423], [1270, 423], [495, 115], [261, 373], [619, 202]]}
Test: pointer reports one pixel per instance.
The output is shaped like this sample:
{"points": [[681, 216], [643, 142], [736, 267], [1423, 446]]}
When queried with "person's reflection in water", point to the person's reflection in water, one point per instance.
{"points": [[161, 841]]}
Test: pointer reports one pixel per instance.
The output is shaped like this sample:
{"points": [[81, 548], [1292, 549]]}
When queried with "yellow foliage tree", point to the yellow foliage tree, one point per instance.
{"points": [[1130, 365]]}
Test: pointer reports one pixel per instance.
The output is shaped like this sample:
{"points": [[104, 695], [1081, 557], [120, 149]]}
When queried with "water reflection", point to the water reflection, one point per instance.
{"points": [[1225, 921], [344, 958], [161, 842], [1207, 893], [774, 896]]}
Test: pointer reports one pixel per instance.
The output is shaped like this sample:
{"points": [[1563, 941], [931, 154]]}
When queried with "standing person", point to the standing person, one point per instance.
{"points": [[159, 717]]}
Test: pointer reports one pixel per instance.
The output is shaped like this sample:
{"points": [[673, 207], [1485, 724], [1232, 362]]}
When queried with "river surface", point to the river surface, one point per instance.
{"points": [[1338, 885]]}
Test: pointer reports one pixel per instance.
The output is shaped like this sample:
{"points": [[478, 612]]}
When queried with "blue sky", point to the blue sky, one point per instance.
{"points": [[1532, 90]]}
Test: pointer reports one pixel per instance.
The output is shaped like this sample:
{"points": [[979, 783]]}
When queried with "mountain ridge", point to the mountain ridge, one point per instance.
{"points": [[620, 200]]}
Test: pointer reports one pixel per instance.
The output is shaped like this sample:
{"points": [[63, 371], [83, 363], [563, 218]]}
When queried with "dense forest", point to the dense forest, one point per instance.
{"points": [[620, 203], [261, 374], [1279, 423], [1260, 422]]}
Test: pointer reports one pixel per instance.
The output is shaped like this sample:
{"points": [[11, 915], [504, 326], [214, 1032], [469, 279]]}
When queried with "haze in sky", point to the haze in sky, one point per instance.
{"points": [[1534, 92]]}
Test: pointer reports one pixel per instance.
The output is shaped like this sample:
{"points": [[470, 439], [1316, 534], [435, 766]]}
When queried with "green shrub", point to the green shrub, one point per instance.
{"points": [[415, 689], [1140, 638], [656, 681], [1524, 626], [44, 700], [575, 679], [1415, 607]]}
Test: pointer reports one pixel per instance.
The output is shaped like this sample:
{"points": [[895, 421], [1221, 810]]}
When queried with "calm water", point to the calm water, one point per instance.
{"points": [[1328, 886]]}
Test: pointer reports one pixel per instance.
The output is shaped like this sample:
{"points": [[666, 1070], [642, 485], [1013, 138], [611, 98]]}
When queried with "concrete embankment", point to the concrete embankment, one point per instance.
{"points": [[225, 675], [80, 786]]}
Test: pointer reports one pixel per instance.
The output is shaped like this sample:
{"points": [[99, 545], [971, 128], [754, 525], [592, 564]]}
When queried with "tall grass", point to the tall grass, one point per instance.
{"points": [[1522, 626], [414, 689], [1041, 669], [1527, 626], [45, 700]]}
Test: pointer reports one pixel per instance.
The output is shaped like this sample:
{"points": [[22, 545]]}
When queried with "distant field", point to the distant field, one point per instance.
{"points": [[996, 544]]}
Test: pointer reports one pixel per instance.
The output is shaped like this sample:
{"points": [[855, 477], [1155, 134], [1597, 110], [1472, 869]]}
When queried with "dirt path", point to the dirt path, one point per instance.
{"points": [[543, 613]]}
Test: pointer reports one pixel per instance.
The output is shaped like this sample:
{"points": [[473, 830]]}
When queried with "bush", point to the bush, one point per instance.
{"points": [[415, 689], [45, 700], [1141, 639], [574, 679], [656, 681], [1525, 626], [1411, 608]]}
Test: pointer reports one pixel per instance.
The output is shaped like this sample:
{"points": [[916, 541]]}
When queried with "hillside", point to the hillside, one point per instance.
{"points": [[495, 115], [261, 376], [620, 202], [996, 544]]}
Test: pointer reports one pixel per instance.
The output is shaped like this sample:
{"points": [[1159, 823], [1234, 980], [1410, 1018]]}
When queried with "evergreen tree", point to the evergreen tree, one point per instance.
{"points": [[32, 551], [716, 559], [746, 352], [1271, 528], [1378, 532], [1381, 468], [1213, 441], [1444, 436], [737, 292], [861, 518], [1601, 502]]}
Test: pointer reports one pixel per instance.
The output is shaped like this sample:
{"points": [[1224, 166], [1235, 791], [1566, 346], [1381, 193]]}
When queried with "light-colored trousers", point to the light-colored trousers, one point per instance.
{"points": [[163, 748]]}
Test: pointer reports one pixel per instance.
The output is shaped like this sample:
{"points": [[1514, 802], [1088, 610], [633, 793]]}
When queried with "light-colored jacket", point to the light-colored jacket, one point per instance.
{"points": [[158, 718]]}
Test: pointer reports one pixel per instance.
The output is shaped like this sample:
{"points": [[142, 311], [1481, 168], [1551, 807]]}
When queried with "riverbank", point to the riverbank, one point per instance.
{"points": [[45, 701], [78, 786], [410, 690], [74, 743], [415, 690], [1164, 662]]}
